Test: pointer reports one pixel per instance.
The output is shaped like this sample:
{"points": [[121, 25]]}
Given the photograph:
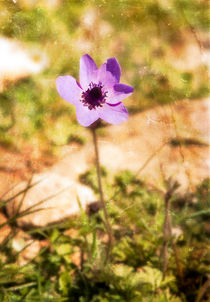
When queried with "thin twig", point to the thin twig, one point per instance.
{"points": [[187, 172], [193, 31], [176, 255], [150, 158], [107, 222], [24, 194], [167, 232], [203, 290]]}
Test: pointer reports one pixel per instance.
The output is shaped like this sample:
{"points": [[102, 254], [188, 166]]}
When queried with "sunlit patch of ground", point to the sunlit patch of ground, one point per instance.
{"points": [[157, 144], [17, 62]]}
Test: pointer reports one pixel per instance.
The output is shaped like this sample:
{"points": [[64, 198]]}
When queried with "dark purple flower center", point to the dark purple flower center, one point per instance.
{"points": [[95, 93], [94, 96]]}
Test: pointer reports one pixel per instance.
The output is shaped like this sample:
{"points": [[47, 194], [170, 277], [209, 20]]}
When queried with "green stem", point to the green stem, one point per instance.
{"points": [[103, 203]]}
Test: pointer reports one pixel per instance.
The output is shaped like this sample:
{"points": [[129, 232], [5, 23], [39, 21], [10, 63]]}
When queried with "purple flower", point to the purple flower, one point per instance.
{"points": [[99, 94]]}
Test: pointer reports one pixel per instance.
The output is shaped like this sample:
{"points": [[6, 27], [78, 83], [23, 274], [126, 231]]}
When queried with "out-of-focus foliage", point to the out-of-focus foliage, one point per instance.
{"points": [[147, 37], [71, 267]]}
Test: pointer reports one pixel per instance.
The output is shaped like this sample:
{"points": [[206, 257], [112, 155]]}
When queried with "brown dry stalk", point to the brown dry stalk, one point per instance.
{"points": [[176, 255], [167, 232], [203, 290]]}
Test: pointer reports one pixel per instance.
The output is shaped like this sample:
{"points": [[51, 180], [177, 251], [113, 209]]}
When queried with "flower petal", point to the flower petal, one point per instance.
{"points": [[118, 93], [86, 116], [105, 77], [87, 71], [68, 89], [113, 114], [114, 67], [122, 88]]}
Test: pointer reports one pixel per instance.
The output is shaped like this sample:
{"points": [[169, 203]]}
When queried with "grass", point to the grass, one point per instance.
{"points": [[70, 267], [147, 38]]}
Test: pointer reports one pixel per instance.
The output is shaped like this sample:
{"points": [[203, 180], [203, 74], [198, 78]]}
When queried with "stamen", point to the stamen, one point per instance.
{"points": [[94, 96]]}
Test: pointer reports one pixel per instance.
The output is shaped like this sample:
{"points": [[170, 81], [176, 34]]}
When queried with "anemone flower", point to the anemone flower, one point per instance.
{"points": [[99, 93]]}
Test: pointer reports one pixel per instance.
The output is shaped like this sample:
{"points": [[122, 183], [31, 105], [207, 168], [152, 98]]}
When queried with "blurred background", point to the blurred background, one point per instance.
{"points": [[162, 47]]}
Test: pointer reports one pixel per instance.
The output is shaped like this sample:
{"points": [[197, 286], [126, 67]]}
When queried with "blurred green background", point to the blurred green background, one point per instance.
{"points": [[160, 46], [148, 38]]}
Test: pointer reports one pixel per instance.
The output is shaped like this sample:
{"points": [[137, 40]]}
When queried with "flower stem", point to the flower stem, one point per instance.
{"points": [[103, 203]]}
